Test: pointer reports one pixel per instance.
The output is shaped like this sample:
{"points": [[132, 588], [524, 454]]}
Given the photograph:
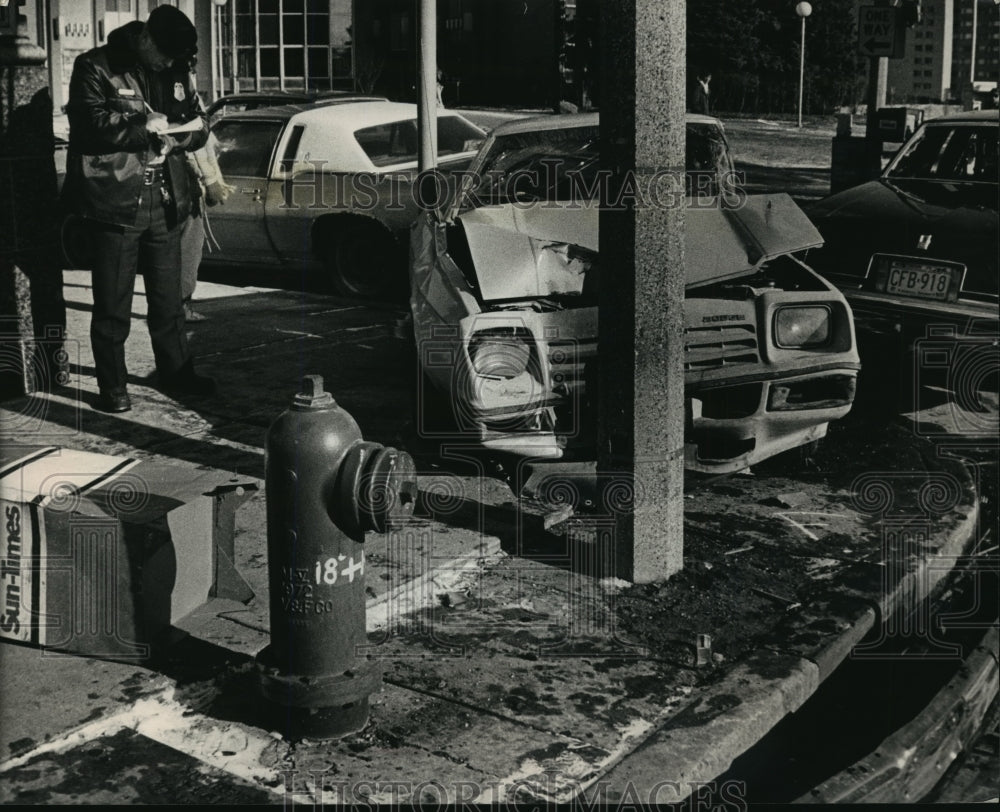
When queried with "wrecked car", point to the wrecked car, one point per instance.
{"points": [[503, 297]]}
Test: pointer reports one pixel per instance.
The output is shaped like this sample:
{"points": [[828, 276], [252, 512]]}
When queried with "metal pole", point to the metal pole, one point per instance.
{"points": [[878, 72], [972, 52], [214, 31], [802, 66], [427, 84], [233, 63]]}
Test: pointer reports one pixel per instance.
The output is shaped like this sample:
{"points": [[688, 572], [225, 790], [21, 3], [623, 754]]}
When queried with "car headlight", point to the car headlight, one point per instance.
{"points": [[802, 326], [501, 352]]}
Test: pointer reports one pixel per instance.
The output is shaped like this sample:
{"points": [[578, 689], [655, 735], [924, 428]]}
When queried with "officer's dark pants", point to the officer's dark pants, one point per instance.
{"points": [[154, 249]]}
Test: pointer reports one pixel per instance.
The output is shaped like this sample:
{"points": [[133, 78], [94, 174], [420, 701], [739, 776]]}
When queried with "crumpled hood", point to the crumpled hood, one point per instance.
{"points": [[522, 252], [527, 253]]}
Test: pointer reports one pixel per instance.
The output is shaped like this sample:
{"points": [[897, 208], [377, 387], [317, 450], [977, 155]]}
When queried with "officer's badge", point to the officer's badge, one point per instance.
{"points": [[179, 93]]}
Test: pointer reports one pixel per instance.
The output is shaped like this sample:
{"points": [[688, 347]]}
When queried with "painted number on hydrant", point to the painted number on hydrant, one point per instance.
{"points": [[327, 572]]}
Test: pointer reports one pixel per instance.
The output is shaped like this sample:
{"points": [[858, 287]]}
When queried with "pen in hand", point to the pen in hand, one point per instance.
{"points": [[156, 122]]}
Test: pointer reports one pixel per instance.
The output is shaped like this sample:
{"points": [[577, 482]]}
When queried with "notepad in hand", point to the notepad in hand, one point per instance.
{"points": [[192, 126]]}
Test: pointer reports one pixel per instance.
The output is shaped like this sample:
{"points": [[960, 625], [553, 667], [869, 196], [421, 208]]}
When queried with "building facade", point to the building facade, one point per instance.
{"points": [[71, 27], [530, 53], [938, 63], [284, 45], [490, 52], [976, 32], [244, 45]]}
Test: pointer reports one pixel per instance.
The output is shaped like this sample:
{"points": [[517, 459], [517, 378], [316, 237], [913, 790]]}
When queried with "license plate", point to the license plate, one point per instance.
{"points": [[919, 280]]}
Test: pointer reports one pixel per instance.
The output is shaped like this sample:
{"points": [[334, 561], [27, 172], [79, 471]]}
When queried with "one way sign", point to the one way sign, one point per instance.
{"points": [[880, 32]]}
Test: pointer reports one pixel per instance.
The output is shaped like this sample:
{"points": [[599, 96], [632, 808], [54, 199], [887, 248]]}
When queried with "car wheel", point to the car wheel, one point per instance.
{"points": [[77, 243], [364, 261]]}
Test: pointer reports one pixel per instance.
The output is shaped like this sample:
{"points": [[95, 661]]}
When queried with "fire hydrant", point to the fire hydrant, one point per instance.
{"points": [[325, 488]]}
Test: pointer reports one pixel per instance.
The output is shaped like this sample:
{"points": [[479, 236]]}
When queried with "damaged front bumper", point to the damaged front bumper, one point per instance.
{"points": [[544, 412], [735, 427]]}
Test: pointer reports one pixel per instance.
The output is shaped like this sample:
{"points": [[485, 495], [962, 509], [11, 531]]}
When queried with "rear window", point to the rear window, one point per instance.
{"points": [[245, 147], [397, 143]]}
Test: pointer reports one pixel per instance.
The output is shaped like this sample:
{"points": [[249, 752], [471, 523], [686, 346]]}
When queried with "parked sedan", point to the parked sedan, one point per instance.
{"points": [[919, 246], [503, 284], [328, 188], [243, 102]]}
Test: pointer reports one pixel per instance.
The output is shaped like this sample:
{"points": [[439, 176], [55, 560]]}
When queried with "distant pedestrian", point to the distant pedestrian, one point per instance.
{"points": [[128, 177], [700, 101]]}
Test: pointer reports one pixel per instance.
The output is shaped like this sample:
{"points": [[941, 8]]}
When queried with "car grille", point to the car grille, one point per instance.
{"points": [[720, 346]]}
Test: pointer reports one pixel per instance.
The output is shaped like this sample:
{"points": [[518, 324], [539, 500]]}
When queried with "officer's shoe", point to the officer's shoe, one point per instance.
{"points": [[185, 381], [114, 401]]}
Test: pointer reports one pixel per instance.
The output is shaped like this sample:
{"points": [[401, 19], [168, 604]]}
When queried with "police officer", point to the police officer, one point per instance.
{"points": [[127, 175]]}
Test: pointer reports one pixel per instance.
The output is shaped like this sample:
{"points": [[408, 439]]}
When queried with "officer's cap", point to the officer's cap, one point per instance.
{"points": [[172, 32]]}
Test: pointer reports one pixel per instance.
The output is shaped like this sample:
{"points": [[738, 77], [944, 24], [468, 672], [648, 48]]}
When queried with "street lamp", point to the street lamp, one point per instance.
{"points": [[803, 9]]}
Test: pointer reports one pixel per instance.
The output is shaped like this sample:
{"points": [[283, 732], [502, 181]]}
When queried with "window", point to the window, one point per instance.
{"points": [[245, 147], [949, 153], [283, 44], [396, 143]]}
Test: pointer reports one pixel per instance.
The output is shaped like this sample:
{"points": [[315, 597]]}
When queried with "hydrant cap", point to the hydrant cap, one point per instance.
{"points": [[313, 396]]}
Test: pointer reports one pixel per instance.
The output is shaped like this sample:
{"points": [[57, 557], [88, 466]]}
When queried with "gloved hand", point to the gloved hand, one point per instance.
{"points": [[216, 193], [156, 123]]}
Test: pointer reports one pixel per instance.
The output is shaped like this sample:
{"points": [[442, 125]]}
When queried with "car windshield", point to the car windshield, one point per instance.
{"points": [[397, 143], [549, 165], [561, 165], [959, 152]]}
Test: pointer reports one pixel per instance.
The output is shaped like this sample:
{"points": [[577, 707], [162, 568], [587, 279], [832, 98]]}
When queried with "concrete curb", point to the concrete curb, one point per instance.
{"points": [[899, 766], [711, 741]]}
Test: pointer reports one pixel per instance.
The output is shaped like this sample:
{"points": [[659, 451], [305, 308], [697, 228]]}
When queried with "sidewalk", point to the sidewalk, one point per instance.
{"points": [[509, 672]]}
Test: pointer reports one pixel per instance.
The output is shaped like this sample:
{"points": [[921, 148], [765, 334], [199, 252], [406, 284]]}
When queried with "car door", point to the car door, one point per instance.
{"points": [[246, 150]]}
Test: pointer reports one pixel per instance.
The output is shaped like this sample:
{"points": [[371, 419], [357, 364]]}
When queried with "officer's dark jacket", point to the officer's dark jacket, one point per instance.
{"points": [[109, 146]]}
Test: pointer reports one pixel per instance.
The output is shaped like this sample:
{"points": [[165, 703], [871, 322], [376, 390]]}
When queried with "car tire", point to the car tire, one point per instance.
{"points": [[363, 261]]}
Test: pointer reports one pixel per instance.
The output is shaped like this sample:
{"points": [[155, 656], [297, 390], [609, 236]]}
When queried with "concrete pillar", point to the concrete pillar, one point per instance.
{"points": [[641, 384], [32, 311]]}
